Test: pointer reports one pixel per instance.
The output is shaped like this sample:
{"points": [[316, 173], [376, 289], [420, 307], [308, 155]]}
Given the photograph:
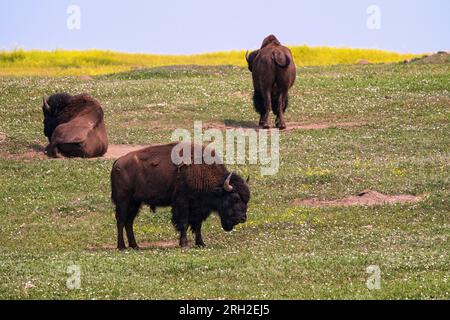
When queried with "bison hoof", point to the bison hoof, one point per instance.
{"points": [[200, 244], [120, 248], [183, 243], [280, 124], [135, 247], [265, 126]]}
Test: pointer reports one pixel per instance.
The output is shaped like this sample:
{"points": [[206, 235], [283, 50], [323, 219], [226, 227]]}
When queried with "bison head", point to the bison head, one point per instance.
{"points": [[50, 121], [234, 196], [52, 108], [250, 58]]}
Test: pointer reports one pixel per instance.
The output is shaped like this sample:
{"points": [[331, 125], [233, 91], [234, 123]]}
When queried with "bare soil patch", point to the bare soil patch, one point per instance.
{"points": [[33, 152], [162, 244], [290, 125], [321, 125], [36, 152], [117, 150], [86, 78], [365, 198]]}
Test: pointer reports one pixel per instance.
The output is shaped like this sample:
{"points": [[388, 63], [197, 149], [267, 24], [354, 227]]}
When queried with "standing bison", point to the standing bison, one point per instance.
{"points": [[74, 126], [273, 71], [149, 176]]}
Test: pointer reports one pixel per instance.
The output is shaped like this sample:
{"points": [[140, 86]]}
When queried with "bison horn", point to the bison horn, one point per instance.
{"points": [[248, 179], [226, 185], [45, 104], [246, 56]]}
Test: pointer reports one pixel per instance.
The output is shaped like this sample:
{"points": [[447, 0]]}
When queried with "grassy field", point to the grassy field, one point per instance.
{"points": [[54, 212], [96, 62]]}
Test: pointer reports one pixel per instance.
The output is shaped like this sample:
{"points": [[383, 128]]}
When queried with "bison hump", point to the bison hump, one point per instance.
{"points": [[203, 177]]}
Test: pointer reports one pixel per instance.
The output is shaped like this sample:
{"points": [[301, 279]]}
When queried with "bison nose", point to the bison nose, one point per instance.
{"points": [[243, 219]]}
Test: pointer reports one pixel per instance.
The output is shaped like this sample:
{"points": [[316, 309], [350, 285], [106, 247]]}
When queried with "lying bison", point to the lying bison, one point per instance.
{"points": [[149, 176], [74, 126], [273, 71]]}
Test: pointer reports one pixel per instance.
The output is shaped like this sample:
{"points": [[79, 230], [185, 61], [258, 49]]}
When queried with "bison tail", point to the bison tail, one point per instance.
{"points": [[258, 102], [280, 59], [114, 182]]}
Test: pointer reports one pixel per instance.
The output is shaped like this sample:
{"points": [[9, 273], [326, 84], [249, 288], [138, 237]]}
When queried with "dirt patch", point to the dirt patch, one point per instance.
{"points": [[167, 244], [86, 78], [320, 126], [36, 152], [117, 150], [290, 125], [363, 62], [33, 152], [365, 198]]}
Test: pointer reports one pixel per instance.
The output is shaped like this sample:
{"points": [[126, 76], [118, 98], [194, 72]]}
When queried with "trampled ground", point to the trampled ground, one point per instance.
{"points": [[58, 213]]}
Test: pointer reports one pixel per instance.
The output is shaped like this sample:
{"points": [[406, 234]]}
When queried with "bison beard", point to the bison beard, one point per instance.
{"points": [[74, 126], [194, 191], [273, 71]]}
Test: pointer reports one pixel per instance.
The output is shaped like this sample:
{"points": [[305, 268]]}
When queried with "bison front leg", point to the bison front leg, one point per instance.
{"points": [[183, 238], [198, 234], [120, 241], [180, 216], [52, 151]]}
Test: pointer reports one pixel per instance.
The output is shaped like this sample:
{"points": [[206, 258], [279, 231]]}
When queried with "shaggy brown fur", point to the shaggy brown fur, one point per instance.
{"points": [[74, 126], [149, 176], [273, 71]]}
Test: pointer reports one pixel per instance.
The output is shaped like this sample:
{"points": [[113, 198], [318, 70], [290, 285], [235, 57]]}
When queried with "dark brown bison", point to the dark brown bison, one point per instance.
{"points": [[149, 176], [273, 71], [74, 126]]}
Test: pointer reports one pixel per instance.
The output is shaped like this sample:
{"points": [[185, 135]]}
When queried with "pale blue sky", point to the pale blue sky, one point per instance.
{"points": [[193, 26]]}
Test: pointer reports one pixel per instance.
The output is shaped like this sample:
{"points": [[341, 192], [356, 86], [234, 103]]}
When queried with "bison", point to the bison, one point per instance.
{"points": [[74, 126], [273, 71], [149, 176]]}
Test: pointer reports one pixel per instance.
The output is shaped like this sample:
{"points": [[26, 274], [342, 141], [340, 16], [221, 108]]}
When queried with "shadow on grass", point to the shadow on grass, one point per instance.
{"points": [[240, 124], [36, 147], [143, 246]]}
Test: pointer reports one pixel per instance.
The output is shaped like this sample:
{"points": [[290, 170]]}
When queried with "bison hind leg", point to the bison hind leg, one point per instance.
{"points": [[279, 107], [133, 210], [126, 211], [275, 104]]}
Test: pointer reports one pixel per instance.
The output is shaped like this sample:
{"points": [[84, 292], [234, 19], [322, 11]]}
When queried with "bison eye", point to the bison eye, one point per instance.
{"points": [[235, 197]]}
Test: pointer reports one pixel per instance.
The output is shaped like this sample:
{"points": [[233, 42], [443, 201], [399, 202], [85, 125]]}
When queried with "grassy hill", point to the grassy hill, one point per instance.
{"points": [[95, 62], [57, 213]]}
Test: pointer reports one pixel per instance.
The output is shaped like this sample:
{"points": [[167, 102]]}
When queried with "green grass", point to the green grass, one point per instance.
{"points": [[96, 62], [53, 211]]}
